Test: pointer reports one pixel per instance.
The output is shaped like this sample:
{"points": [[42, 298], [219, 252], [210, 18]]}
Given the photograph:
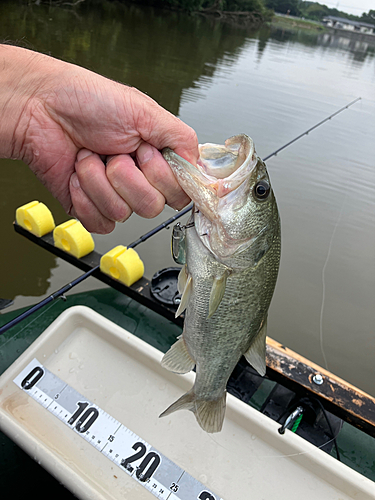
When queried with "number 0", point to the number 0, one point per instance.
{"points": [[32, 378]]}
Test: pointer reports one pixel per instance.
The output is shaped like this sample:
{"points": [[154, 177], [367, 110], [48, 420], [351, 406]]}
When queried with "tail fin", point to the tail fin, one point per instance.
{"points": [[209, 413]]}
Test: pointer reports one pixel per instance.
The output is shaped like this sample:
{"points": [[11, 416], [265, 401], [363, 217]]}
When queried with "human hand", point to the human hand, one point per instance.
{"points": [[93, 142]]}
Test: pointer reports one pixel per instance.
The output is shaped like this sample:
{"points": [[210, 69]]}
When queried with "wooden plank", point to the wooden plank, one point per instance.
{"points": [[338, 396]]}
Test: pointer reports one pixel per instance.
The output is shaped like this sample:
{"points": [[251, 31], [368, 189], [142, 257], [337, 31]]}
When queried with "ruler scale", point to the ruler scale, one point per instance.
{"points": [[132, 454]]}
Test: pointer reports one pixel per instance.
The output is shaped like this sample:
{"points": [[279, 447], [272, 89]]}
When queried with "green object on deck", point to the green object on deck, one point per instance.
{"points": [[296, 423]]}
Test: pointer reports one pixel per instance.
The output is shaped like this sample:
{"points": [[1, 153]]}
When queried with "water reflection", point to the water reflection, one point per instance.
{"points": [[23, 268], [161, 53], [222, 80], [357, 48]]}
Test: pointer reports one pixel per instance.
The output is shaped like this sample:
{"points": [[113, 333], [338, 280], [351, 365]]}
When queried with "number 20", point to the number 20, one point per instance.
{"points": [[147, 467]]}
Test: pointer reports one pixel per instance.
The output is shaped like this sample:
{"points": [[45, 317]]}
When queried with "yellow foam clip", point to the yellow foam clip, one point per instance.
{"points": [[122, 264], [36, 218], [73, 238]]}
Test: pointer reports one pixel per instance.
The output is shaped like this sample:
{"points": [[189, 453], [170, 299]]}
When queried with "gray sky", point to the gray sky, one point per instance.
{"points": [[355, 7]]}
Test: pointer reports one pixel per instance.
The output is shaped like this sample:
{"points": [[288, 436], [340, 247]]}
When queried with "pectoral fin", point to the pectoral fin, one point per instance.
{"points": [[178, 359], [185, 296], [217, 293], [182, 279], [256, 354]]}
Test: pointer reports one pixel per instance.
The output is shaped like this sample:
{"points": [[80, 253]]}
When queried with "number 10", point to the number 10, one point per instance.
{"points": [[86, 420]]}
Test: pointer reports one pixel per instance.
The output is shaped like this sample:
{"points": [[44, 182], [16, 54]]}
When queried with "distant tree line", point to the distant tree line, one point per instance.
{"points": [[212, 5], [300, 8], [315, 11], [256, 10]]}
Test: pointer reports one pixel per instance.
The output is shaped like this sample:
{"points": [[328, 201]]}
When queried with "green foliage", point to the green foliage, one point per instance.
{"points": [[316, 11], [220, 5], [284, 6], [188, 5], [369, 17], [243, 5]]}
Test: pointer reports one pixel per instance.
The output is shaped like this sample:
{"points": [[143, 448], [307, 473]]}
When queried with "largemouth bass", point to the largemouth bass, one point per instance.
{"points": [[230, 249]]}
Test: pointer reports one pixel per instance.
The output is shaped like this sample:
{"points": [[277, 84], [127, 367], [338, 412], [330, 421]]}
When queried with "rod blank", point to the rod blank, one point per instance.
{"points": [[148, 235], [81, 278], [310, 129]]}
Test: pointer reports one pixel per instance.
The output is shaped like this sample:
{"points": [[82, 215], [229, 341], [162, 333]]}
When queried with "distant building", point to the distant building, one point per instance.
{"points": [[347, 24]]}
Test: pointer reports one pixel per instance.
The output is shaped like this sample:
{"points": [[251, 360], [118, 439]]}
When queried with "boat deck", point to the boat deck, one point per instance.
{"points": [[356, 447]]}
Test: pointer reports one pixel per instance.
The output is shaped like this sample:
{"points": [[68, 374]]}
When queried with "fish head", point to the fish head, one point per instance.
{"points": [[236, 213]]}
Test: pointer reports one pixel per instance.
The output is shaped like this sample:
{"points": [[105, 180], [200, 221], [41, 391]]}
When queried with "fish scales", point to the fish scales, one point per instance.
{"points": [[232, 260], [232, 328]]}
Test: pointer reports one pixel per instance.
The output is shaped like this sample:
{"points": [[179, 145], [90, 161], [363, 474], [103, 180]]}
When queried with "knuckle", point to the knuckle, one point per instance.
{"points": [[121, 213], [150, 206], [179, 202], [191, 135], [99, 226]]}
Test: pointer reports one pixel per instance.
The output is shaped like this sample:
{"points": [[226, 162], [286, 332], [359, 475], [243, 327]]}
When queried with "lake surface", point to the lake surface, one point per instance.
{"points": [[223, 80]]}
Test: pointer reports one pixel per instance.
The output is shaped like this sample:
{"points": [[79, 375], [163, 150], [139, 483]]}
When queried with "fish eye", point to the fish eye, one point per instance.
{"points": [[262, 190]]}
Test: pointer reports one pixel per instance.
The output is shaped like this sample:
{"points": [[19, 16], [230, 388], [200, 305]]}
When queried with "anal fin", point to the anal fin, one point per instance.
{"points": [[256, 354], [178, 359]]}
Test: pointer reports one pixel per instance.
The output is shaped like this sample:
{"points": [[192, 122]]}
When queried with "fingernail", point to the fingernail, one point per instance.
{"points": [[75, 181], [83, 153], [123, 220], [145, 152]]}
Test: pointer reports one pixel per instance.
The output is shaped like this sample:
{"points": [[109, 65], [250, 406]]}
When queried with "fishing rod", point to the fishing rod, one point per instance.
{"points": [[69, 286], [312, 128]]}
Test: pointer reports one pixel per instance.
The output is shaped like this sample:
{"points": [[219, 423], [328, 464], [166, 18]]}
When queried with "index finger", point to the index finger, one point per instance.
{"points": [[162, 129]]}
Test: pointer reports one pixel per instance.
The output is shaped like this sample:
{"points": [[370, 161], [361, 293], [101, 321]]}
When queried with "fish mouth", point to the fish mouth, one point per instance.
{"points": [[220, 170], [219, 186], [228, 161], [223, 168]]}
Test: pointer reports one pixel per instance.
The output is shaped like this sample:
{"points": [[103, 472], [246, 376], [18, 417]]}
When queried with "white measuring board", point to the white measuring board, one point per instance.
{"points": [[134, 456]]}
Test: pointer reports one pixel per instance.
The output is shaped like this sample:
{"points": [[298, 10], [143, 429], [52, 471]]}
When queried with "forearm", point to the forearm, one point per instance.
{"points": [[22, 75]]}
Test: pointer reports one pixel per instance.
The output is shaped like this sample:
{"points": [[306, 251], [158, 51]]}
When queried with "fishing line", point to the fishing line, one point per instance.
{"points": [[165, 224], [291, 455], [67, 287], [324, 286], [301, 452], [330, 427]]}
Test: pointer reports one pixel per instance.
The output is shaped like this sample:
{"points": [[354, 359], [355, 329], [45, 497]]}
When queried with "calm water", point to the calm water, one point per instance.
{"points": [[224, 80]]}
